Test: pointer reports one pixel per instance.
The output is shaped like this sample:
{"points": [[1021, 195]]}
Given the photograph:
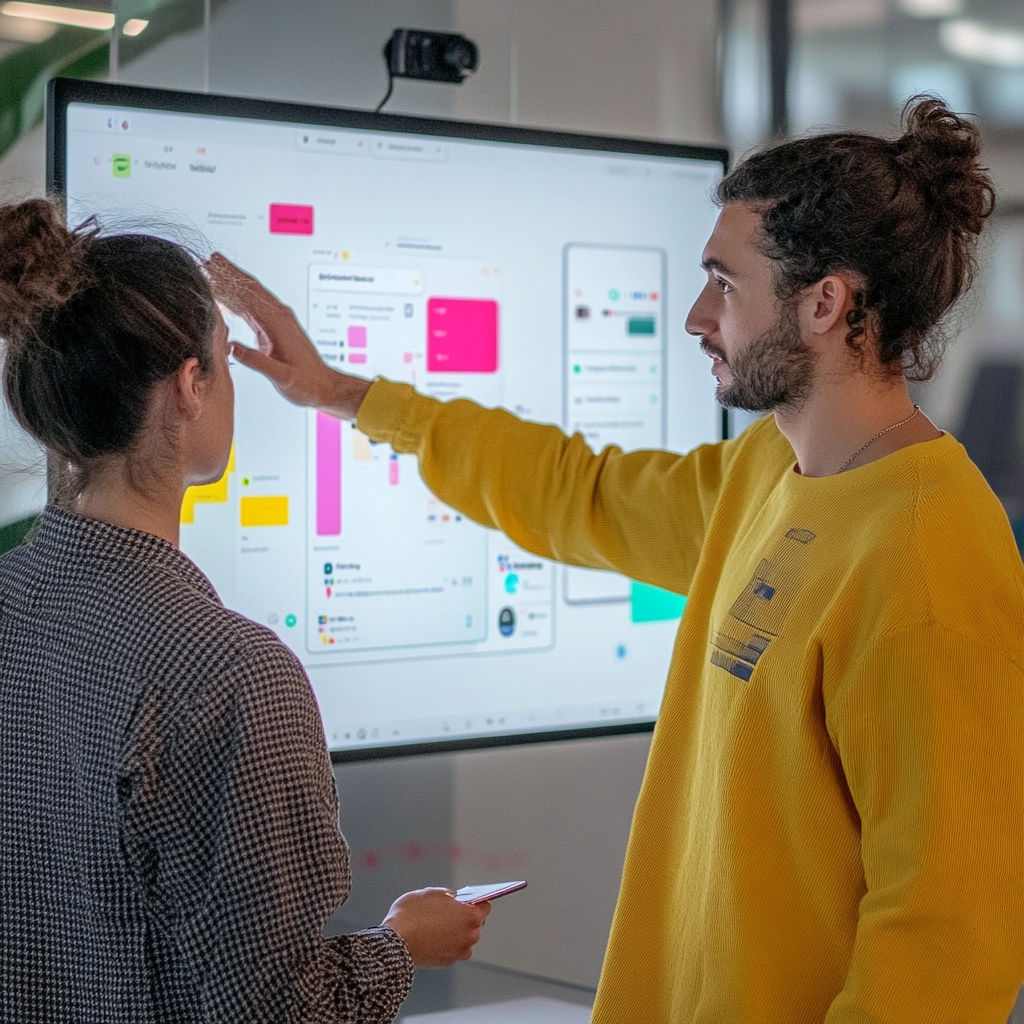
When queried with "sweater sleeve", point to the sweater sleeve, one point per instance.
{"points": [[231, 830], [930, 731], [643, 514]]}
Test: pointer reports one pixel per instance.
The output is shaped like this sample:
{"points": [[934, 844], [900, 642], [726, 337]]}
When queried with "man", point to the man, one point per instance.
{"points": [[831, 827]]}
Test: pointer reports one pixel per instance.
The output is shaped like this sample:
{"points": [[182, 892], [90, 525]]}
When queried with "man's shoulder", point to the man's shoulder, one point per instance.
{"points": [[968, 558]]}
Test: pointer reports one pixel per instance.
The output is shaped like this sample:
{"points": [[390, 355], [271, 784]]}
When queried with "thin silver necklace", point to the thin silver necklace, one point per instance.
{"points": [[867, 444]]}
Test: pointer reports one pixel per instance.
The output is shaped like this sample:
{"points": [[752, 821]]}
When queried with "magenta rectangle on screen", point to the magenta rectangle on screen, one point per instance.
{"points": [[357, 357], [286, 219], [356, 336], [462, 335], [328, 475]]}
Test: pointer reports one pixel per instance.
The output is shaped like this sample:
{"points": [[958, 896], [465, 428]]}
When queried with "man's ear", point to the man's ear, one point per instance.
{"points": [[827, 303], [187, 389]]}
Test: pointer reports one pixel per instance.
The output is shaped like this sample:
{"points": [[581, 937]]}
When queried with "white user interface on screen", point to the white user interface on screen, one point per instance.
{"points": [[552, 281]]}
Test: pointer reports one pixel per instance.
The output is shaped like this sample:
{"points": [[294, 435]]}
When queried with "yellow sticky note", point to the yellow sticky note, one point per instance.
{"points": [[211, 494], [265, 511]]}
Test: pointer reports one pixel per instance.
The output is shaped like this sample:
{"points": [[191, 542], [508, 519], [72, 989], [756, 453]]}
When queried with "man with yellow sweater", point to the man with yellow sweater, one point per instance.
{"points": [[831, 826]]}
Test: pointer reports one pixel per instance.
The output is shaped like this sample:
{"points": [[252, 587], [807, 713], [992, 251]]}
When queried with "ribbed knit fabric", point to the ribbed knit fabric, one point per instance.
{"points": [[831, 826]]}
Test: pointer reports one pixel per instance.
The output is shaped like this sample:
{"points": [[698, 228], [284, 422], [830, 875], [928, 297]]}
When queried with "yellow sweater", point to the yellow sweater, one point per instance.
{"points": [[831, 826]]}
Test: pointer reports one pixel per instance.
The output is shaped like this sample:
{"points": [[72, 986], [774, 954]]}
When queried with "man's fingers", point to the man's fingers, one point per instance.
{"points": [[255, 360], [237, 290], [222, 270]]}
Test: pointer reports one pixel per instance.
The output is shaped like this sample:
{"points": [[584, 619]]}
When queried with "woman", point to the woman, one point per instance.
{"points": [[169, 848]]}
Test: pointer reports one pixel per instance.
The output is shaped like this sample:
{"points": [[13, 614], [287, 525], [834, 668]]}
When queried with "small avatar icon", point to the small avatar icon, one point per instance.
{"points": [[506, 622]]}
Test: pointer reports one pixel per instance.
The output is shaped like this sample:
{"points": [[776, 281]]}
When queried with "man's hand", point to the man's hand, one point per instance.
{"points": [[436, 928], [285, 355]]}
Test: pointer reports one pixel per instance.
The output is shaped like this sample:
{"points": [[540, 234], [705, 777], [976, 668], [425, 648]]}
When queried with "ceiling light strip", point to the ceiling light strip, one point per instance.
{"points": [[59, 15]]}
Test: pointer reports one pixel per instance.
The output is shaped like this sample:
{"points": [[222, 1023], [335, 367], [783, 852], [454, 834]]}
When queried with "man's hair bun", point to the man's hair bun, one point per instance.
{"points": [[42, 266], [939, 150]]}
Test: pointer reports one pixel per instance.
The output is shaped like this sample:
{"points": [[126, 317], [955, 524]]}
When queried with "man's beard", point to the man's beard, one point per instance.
{"points": [[775, 370]]}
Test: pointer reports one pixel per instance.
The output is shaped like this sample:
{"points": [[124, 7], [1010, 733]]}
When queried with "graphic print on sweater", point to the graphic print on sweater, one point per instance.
{"points": [[757, 615]]}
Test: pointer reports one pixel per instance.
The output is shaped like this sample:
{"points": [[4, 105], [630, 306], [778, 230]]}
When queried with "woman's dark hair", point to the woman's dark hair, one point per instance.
{"points": [[91, 324], [903, 218]]}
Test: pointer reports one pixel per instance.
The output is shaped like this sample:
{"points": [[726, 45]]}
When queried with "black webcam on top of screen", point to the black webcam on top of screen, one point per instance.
{"points": [[430, 56]]}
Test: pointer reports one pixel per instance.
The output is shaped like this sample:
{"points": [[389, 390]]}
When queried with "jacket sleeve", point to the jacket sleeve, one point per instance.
{"points": [[929, 729], [643, 514], [231, 830]]}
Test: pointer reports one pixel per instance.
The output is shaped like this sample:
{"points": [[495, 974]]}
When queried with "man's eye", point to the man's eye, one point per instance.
{"points": [[723, 286]]}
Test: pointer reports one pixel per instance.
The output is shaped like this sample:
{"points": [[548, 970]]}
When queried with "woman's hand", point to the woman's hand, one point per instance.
{"points": [[436, 928], [285, 355]]}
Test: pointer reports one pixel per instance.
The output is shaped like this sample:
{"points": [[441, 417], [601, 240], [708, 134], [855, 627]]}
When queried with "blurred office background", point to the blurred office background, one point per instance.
{"points": [[735, 71], [795, 67]]}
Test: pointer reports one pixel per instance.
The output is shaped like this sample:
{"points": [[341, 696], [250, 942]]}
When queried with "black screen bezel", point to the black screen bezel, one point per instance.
{"points": [[61, 92]]}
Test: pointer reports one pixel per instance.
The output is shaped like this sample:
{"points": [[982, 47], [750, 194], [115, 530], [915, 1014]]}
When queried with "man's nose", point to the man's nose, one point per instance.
{"points": [[699, 320]]}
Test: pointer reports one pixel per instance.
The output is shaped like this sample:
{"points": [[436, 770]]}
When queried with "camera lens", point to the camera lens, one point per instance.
{"points": [[460, 53]]}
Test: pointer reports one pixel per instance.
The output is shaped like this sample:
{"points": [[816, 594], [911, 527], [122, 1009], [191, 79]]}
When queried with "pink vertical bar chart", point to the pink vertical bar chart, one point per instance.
{"points": [[328, 475]]}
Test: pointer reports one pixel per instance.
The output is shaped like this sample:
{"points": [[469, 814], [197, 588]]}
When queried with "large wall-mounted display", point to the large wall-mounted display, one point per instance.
{"points": [[544, 272]]}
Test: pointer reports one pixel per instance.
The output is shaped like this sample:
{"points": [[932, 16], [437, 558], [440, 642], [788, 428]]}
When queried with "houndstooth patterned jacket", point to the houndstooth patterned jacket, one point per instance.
{"points": [[169, 848]]}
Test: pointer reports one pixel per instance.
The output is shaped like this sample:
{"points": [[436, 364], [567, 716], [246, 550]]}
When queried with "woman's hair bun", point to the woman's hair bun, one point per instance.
{"points": [[42, 265], [940, 150]]}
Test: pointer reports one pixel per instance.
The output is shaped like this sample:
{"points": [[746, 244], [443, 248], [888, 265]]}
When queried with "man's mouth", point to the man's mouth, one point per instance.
{"points": [[713, 351]]}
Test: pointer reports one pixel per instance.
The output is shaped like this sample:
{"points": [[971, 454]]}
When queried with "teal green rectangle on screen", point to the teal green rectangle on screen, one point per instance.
{"points": [[652, 604], [640, 325]]}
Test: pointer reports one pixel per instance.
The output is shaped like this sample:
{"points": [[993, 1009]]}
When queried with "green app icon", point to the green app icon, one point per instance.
{"points": [[122, 165]]}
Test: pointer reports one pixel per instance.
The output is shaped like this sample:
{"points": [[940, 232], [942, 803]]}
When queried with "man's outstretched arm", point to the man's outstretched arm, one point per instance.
{"points": [[644, 514]]}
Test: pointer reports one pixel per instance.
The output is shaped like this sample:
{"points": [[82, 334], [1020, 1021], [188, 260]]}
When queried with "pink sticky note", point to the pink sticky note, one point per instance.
{"points": [[356, 336], [286, 219], [462, 335], [357, 357]]}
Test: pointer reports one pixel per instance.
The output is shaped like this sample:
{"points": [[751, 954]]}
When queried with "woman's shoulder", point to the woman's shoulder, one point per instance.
{"points": [[144, 611]]}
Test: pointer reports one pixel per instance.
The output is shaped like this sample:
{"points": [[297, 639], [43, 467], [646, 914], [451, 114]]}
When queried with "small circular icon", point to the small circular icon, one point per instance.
{"points": [[290, 620], [613, 294]]}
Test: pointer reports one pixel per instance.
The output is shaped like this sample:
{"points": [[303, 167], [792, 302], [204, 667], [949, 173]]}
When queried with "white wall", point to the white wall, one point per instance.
{"points": [[610, 67]]}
